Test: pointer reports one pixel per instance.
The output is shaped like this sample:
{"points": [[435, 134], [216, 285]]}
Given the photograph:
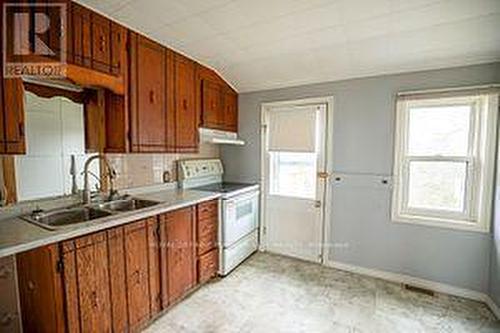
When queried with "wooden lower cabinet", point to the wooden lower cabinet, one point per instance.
{"points": [[180, 252], [115, 280], [136, 264], [86, 284], [207, 240]]}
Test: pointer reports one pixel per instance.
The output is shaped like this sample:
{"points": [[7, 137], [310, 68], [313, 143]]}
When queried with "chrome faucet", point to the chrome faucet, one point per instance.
{"points": [[87, 198]]}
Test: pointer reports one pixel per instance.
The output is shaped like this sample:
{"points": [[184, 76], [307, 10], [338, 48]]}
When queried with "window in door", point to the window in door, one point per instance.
{"points": [[293, 174], [444, 160], [293, 145]]}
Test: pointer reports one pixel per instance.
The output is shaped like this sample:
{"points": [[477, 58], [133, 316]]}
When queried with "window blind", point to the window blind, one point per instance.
{"points": [[293, 129]]}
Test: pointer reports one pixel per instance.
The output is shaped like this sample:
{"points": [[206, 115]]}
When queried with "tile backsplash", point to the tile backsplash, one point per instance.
{"points": [[135, 170]]}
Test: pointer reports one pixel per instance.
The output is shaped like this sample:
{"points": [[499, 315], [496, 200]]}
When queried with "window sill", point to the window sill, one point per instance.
{"points": [[442, 223]]}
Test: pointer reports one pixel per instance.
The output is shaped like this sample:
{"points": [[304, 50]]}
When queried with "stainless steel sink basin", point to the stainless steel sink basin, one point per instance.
{"points": [[69, 216], [60, 218], [125, 205]]}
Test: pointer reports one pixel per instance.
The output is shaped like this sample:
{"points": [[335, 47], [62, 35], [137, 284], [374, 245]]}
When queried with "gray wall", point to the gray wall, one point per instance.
{"points": [[364, 111]]}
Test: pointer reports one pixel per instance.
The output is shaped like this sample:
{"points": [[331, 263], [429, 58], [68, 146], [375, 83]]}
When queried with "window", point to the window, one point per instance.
{"points": [[444, 160], [54, 132], [293, 174]]}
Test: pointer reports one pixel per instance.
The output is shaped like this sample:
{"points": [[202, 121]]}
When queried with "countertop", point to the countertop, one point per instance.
{"points": [[17, 235]]}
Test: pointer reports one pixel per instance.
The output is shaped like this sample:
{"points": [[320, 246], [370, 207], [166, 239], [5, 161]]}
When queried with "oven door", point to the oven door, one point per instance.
{"points": [[240, 217]]}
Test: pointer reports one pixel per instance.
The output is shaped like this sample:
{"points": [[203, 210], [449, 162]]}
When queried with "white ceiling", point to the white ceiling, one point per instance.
{"points": [[263, 44]]}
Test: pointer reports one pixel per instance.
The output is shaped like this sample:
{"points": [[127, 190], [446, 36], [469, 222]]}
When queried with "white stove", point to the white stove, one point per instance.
{"points": [[239, 209]]}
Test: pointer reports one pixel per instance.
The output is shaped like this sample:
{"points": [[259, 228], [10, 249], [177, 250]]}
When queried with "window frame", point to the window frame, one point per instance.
{"points": [[480, 162]]}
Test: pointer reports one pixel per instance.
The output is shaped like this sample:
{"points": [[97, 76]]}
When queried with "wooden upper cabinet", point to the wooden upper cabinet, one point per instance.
{"points": [[81, 27], [94, 41], [230, 105], [180, 261], [219, 102], [186, 138], [212, 115], [13, 116], [101, 43], [147, 95], [117, 127], [94, 119], [118, 49]]}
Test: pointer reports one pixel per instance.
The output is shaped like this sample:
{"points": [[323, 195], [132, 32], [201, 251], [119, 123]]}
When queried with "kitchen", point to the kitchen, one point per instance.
{"points": [[170, 180]]}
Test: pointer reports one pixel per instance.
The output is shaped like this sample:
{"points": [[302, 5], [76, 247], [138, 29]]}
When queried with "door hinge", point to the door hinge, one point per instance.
{"points": [[60, 266], [322, 175], [157, 232]]}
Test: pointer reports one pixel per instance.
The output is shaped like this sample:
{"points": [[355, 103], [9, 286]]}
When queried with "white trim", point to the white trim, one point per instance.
{"points": [[418, 282], [326, 223], [445, 90], [479, 191]]}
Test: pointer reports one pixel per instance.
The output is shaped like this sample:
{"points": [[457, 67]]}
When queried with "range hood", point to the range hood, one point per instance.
{"points": [[220, 137]]}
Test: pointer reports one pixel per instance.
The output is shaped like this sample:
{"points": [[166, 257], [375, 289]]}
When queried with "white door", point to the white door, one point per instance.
{"points": [[294, 163]]}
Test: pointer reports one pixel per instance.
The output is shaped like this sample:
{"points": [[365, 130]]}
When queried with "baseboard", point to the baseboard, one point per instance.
{"points": [[493, 306], [418, 282]]}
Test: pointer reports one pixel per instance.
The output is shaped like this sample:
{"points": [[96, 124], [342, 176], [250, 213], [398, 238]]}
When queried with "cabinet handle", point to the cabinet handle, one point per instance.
{"points": [[152, 97], [31, 285], [21, 129], [102, 44], [94, 299], [184, 104], [137, 276]]}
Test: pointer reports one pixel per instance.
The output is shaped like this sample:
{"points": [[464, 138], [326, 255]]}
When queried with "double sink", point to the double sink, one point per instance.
{"points": [[68, 216]]}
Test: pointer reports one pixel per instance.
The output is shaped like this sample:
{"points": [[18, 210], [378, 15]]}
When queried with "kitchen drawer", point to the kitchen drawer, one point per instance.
{"points": [[209, 209], [207, 240], [207, 225], [208, 265]]}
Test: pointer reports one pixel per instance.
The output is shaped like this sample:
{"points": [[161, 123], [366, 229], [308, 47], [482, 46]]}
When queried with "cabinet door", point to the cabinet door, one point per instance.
{"points": [[101, 43], [94, 120], [208, 264], [180, 253], [118, 48], [81, 32], [116, 124], [154, 265], [230, 111], [186, 115], [211, 103], [136, 263], [148, 97], [40, 290], [2, 105], [13, 113], [93, 283], [118, 285]]}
